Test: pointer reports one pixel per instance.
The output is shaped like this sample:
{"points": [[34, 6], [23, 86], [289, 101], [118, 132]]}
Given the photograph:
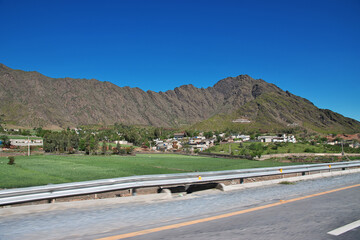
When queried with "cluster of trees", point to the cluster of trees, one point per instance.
{"points": [[141, 135], [253, 150], [70, 142], [134, 134], [88, 140], [65, 141], [120, 150]]}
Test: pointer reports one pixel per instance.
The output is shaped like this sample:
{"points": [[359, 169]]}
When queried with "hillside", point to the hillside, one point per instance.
{"points": [[32, 99], [281, 111]]}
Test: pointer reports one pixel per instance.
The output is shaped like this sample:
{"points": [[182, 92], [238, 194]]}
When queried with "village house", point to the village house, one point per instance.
{"points": [[168, 145], [179, 136], [200, 145], [244, 137], [354, 145], [123, 142], [280, 139], [266, 139], [240, 138], [199, 137]]}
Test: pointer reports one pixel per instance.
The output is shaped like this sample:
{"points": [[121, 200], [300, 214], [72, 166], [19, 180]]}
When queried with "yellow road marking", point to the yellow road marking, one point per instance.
{"points": [[178, 225]]}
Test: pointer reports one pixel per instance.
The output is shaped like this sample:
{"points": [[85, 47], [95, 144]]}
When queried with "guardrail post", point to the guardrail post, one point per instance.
{"points": [[343, 168], [303, 173], [241, 180], [133, 191]]}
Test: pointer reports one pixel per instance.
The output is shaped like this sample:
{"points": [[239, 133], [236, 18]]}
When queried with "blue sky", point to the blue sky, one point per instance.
{"points": [[311, 48]]}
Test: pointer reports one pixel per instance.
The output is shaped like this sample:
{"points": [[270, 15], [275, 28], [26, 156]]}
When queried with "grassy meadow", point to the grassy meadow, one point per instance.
{"points": [[52, 169]]}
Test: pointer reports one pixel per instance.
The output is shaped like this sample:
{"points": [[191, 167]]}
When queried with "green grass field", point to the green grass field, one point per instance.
{"points": [[52, 169]]}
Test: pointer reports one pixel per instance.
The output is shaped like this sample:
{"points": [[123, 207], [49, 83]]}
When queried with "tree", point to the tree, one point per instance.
{"points": [[5, 141], [104, 147], [40, 132], [323, 139], [91, 144], [189, 133], [60, 141], [158, 132], [118, 148], [1, 121], [186, 147], [208, 135], [218, 139], [82, 144]]}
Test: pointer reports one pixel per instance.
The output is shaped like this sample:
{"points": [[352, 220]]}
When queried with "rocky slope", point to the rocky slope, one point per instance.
{"points": [[32, 99]]}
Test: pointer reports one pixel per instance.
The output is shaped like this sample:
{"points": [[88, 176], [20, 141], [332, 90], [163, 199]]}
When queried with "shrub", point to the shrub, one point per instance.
{"points": [[11, 160], [309, 150], [115, 150], [129, 150], [274, 147], [71, 150], [122, 151]]}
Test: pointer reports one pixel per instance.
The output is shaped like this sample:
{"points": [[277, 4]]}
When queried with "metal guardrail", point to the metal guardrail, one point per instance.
{"points": [[19, 195]]}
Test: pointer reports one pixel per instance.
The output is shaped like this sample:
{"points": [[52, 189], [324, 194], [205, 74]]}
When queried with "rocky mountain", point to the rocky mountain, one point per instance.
{"points": [[279, 112], [32, 99]]}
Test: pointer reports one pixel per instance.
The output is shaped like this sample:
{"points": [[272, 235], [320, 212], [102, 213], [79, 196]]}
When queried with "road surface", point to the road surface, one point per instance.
{"points": [[259, 213]]}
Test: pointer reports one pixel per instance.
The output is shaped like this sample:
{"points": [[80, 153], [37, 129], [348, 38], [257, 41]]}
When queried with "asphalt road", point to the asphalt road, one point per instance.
{"points": [[309, 218]]}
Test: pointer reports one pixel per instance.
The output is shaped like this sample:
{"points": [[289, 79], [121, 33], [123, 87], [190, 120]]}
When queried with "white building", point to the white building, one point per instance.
{"points": [[26, 142], [241, 137], [201, 145], [266, 139], [123, 142], [282, 138]]}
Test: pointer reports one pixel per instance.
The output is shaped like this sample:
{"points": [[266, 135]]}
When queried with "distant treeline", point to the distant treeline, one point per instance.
{"points": [[88, 139]]}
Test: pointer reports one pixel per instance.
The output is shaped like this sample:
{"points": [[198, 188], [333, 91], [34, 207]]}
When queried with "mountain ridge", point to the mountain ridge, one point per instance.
{"points": [[33, 99]]}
